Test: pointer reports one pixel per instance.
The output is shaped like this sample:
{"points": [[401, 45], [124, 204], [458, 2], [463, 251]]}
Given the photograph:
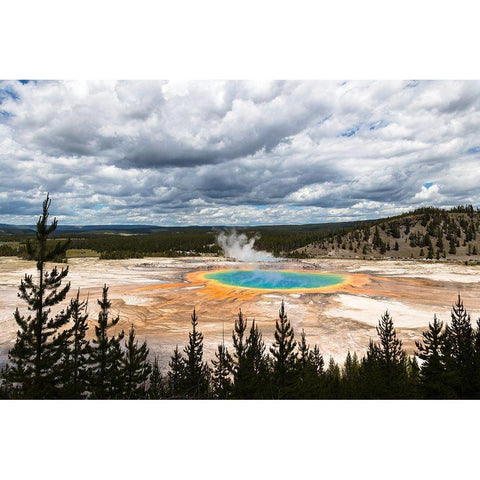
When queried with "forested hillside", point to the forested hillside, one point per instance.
{"points": [[428, 233]]}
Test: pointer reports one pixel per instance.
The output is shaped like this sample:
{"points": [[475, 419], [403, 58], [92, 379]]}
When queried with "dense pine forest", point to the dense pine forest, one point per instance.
{"points": [[426, 233], [171, 242], [52, 358]]}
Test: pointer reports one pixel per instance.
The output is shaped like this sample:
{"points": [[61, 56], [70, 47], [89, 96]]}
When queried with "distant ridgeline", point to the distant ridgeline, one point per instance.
{"points": [[429, 233]]}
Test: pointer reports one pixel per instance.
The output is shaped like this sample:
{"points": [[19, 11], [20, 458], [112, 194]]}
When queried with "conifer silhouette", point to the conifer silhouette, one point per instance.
{"points": [[33, 370]]}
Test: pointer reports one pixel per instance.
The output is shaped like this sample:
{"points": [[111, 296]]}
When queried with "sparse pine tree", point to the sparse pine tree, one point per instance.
{"points": [[391, 355], [284, 355], [176, 375], [257, 382], [239, 365], [156, 388], [75, 358], [332, 379], [452, 250], [222, 384], [459, 352], [196, 374], [432, 372], [309, 371], [105, 354], [385, 366], [135, 367], [34, 361], [350, 385]]}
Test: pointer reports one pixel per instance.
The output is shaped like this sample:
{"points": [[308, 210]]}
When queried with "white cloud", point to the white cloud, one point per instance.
{"points": [[431, 193], [191, 152]]}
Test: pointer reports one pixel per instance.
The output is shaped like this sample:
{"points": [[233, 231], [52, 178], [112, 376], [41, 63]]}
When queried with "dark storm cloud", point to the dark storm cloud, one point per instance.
{"points": [[231, 152]]}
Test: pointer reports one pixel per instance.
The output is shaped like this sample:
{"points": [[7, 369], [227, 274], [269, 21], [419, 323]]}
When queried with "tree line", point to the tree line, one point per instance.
{"points": [[53, 359]]}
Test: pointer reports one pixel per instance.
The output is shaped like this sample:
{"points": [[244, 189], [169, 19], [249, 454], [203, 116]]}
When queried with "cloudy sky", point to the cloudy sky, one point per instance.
{"points": [[236, 152]]}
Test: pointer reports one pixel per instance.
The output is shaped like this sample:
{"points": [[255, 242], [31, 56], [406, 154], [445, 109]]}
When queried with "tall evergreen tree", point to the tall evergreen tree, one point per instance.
{"points": [[176, 375], [156, 384], [309, 371], [371, 381], [332, 380], [33, 369], [432, 372], [392, 358], [221, 382], [284, 355], [256, 370], [196, 371], [459, 352], [351, 377], [135, 367], [239, 365], [75, 357], [105, 354]]}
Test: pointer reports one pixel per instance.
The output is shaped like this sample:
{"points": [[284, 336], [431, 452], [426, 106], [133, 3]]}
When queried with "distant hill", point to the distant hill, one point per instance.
{"points": [[427, 233], [6, 229], [430, 233]]}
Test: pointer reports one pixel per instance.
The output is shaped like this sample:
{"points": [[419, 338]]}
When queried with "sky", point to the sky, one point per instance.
{"points": [[236, 152]]}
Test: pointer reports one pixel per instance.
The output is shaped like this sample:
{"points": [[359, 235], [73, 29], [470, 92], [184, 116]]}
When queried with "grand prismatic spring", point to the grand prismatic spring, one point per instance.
{"points": [[275, 279]]}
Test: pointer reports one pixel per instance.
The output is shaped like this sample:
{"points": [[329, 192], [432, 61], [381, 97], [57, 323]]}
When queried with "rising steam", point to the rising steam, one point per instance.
{"points": [[240, 247]]}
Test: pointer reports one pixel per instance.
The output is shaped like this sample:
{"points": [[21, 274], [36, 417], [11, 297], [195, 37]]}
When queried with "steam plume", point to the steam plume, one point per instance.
{"points": [[240, 247]]}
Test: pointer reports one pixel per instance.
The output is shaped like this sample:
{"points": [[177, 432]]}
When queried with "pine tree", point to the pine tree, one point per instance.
{"points": [[452, 246], [309, 371], [332, 379], [371, 381], [284, 356], [459, 352], [377, 241], [196, 372], [176, 374], [413, 372], [75, 357], [222, 384], [392, 358], [432, 372], [135, 367], [254, 375], [105, 354], [34, 370], [350, 385], [115, 377], [239, 365], [156, 383]]}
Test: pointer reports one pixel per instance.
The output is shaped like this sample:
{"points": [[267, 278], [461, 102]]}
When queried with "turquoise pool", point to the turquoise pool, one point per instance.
{"points": [[275, 279]]}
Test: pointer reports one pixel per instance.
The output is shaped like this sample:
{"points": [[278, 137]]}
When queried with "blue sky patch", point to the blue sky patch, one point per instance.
{"points": [[8, 93], [377, 125], [350, 132], [474, 150], [428, 185]]}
